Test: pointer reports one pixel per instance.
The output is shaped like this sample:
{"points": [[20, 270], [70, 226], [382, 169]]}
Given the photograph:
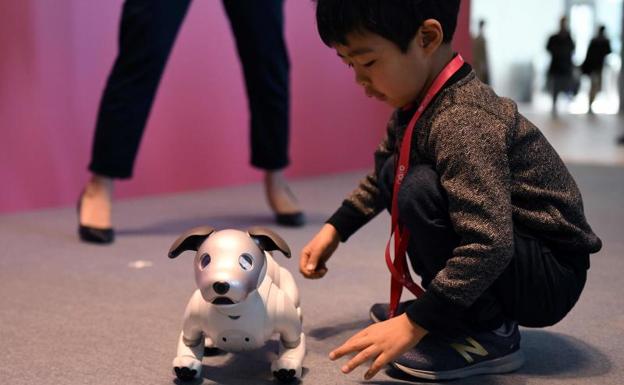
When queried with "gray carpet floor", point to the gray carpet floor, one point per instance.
{"points": [[73, 313]]}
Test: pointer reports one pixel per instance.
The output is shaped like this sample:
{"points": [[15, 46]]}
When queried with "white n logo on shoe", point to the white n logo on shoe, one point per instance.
{"points": [[474, 348]]}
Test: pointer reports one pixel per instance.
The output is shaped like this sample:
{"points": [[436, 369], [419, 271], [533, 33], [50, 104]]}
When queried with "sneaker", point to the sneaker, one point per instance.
{"points": [[442, 358], [379, 311]]}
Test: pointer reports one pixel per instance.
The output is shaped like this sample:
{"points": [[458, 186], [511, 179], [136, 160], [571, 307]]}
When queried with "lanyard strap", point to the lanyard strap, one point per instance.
{"points": [[398, 268]]}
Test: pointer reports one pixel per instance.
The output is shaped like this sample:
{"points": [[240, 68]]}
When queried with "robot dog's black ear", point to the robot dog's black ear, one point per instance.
{"points": [[268, 240], [190, 240]]}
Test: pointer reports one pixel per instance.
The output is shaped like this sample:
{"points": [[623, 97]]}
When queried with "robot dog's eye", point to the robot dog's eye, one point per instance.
{"points": [[245, 261], [204, 261]]}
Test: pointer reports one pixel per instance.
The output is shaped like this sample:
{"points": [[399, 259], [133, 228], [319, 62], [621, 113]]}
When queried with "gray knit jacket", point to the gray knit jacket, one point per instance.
{"points": [[498, 170]]}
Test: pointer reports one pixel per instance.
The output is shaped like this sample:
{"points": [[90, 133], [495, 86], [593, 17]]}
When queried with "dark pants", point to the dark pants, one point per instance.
{"points": [[147, 34], [558, 83], [538, 287]]}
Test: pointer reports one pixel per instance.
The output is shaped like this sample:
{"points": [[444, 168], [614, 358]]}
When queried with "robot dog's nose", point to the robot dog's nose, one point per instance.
{"points": [[221, 287]]}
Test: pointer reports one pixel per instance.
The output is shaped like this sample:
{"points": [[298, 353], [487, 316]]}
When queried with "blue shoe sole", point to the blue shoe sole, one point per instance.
{"points": [[505, 364]]}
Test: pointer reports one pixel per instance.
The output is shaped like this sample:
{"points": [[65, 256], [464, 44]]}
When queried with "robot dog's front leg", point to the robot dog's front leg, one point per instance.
{"points": [[188, 362], [292, 345]]}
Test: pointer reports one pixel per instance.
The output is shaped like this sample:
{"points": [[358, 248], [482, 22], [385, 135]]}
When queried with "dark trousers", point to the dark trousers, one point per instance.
{"points": [[558, 83], [538, 287], [147, 33]]}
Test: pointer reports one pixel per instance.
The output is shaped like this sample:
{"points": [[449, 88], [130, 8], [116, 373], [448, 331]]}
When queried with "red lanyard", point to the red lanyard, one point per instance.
{"points": [[399, 269]]}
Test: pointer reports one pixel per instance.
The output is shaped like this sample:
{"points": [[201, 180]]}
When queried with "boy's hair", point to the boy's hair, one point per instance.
{"points": [[395, 20]]}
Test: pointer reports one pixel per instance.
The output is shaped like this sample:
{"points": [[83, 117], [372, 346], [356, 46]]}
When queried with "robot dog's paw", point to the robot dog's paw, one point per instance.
{"points": [[285, 375], [286, 370], [187, 368], [185, 374]]}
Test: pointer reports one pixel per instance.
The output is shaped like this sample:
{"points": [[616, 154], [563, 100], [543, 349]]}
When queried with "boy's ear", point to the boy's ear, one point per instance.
{"points": [[431, 35]]}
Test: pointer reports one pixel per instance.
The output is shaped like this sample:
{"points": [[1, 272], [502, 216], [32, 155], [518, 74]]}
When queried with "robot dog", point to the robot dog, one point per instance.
{"points": [[243, 298]]}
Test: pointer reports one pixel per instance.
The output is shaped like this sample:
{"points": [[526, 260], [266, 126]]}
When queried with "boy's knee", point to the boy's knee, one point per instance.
{"points": [[421, 190], [421, 193], [421, 197]]}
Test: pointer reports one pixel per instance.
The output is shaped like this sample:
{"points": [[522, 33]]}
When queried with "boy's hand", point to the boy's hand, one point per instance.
{"points": [[317, 252], [380, 343]]}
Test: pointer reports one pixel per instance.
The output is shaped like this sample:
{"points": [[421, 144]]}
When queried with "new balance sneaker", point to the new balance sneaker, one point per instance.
{"points": [[443, 358], [379, 311]]}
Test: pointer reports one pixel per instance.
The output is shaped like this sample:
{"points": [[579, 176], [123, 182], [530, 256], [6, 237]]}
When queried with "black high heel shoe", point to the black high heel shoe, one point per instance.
{"points": [[296, 219], [292, 220], [90, 234]]}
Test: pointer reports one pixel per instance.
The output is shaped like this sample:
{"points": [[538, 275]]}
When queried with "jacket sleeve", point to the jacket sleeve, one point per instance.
{"points": [[364, 203], [470, 151]]}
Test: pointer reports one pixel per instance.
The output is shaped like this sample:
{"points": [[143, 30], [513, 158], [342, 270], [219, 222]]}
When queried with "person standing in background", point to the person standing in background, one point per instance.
{"points": [[561, 47], [147, 33], [479, 55], [599, 48]]}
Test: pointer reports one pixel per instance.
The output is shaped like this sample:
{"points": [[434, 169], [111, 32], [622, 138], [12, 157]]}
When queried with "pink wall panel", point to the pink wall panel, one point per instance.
{"points": [[56, 56]]}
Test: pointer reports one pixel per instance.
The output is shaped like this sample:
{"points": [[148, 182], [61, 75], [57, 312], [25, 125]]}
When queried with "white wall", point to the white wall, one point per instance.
{"points": [[516, 32]]}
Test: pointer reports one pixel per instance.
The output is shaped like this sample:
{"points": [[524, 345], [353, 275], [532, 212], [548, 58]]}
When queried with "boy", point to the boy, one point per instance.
{"points": [[494, 220]]}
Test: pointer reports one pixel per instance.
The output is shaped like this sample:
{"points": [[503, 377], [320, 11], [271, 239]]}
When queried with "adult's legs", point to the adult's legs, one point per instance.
{"points": [[596, 85], [258, 27], [554, 90], [147, 32]]}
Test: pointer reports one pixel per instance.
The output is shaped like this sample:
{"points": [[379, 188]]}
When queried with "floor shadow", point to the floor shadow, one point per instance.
{"points": [[234, 221], [253, 367], [562, 356], [330, 331], [218, 222]]}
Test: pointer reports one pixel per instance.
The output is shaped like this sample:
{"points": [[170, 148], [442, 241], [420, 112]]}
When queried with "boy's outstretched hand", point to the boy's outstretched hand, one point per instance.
{"points": [[317, 252], [380, 343]]}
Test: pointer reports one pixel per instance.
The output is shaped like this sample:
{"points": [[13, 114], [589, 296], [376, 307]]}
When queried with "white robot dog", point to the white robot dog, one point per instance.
{"points": [[243, 298]]}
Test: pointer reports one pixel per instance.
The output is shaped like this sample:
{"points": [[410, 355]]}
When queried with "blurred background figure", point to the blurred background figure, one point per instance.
{"points": [[147, 33], [560, 73], [598, 49], [480, 55]]}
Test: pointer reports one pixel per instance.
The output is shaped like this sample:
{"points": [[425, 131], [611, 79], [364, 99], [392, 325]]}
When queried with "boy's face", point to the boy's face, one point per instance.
{"points": [[384, 71]]}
